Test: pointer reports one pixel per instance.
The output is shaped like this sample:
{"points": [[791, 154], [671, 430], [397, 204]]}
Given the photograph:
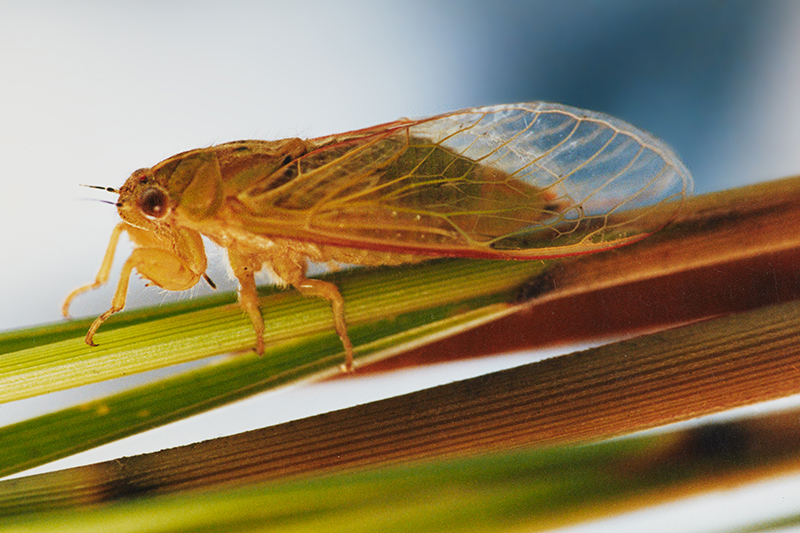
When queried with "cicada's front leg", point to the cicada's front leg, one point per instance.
{"points": [[105, 269], [175, 264]]}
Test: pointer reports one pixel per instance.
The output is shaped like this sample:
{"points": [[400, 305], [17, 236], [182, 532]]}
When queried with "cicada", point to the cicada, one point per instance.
{"points": [[520, 181]]}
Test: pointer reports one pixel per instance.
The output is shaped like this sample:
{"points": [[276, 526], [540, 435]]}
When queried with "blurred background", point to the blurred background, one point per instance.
{"points": [[90, 91], [94, 90]]}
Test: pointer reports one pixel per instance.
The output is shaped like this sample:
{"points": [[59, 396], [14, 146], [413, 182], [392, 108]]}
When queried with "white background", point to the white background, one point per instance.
{"points": [[90, 91]]}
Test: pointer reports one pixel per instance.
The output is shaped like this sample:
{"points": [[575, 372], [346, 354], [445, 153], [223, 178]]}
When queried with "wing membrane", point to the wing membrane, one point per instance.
{"points": [[516, 181]]}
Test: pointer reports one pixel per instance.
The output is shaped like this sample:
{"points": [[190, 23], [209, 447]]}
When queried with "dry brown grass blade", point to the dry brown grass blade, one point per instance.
{"points": [[726, 252]]}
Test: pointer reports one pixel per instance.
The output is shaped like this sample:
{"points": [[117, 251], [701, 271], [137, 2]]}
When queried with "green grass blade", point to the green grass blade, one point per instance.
{"points": [[394, 323], [387, 309], [139, 344]]}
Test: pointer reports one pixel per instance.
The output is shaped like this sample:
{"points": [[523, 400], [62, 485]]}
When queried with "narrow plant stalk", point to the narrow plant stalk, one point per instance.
{"points": [[88, 425], [595, 394], [374, 297], [725, 252], [530, 489], [389, 309]]}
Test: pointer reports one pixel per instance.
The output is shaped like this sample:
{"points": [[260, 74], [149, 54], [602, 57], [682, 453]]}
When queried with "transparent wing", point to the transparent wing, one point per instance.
{"points": [[512, 181]]}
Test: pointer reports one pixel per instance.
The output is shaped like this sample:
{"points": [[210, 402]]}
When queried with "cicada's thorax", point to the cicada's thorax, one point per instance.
{"points": [[343, 203], [200, 181], [206, 185]]}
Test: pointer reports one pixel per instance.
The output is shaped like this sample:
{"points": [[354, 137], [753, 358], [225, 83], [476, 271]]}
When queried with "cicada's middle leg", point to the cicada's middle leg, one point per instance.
{"points": [[290, 270]]}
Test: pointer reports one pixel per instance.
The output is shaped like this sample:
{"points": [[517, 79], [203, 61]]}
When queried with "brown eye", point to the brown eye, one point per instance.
{"points": [[153, 202]]}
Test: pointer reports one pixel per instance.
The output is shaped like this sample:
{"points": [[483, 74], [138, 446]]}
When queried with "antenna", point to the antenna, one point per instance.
{"points": [[109, 189]]}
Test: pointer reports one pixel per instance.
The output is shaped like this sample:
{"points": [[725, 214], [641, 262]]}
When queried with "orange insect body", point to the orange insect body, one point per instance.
{"points": [[524, 181]]}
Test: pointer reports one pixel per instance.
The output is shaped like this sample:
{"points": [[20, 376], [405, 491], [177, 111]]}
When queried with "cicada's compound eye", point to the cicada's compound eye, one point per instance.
{"points": [[154, 203]]}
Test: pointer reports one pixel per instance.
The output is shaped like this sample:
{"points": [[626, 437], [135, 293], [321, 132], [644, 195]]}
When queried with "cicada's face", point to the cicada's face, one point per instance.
{"points": [[144, 203]]}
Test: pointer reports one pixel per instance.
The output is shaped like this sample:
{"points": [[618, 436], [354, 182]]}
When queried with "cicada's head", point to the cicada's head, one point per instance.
{"points": [[144, 202]]}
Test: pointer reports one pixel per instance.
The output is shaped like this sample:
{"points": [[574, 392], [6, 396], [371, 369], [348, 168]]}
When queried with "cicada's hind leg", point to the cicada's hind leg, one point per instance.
{"points": [[292, 270], [329, 291]]}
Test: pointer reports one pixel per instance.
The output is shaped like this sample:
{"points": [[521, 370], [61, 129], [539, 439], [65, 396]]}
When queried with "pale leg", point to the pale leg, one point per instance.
{"points": [[102, 275], [293, 272], [244, 268]]}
